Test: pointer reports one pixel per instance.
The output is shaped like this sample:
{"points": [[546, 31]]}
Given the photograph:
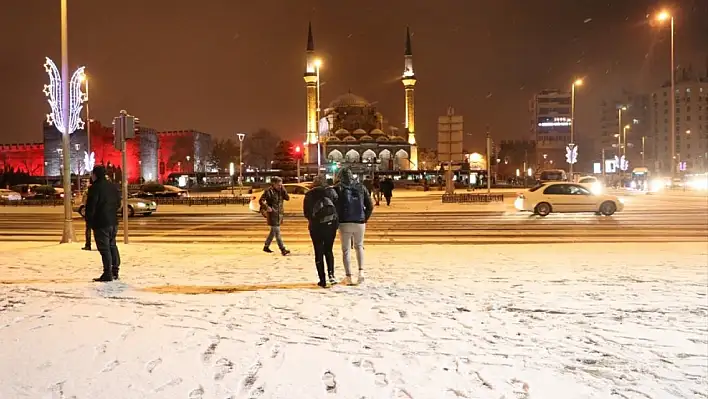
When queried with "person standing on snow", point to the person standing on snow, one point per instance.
{"points": [[354, 208], [272, 209], [321, 212], [102, 204]]}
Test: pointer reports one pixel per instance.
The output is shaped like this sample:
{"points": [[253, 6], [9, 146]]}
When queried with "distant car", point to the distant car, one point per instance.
{"points": [[560, 197], [38, 191], [295, 190], [136, 206], [154, 190], [9, 195], [592, 183]]}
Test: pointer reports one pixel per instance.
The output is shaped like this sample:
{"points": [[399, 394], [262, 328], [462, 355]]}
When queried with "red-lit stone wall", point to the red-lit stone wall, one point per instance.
{"points": [[23, 157], [173, 150]]}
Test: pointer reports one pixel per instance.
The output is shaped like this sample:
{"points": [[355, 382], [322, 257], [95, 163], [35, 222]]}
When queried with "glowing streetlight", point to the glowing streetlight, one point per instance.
{"points": [[661, 17]]}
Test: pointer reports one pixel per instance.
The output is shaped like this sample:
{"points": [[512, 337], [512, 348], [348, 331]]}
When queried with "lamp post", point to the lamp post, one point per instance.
{"points": [[661, 17], [65, 97], [241, 136], [577, 82], [643, 150], [318, 64]]}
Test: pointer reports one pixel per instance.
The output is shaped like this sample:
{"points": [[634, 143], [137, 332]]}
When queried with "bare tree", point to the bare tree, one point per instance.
{"points": [[260, 145]]}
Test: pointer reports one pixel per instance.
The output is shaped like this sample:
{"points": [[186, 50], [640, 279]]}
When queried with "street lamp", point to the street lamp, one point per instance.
{"points": [[318, 64], [624, 139], [241, 136], [620, 129], [661, 17], [65, 98], [577, 82]]}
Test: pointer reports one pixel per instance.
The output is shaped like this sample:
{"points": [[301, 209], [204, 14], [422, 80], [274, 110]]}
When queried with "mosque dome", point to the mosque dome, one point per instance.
{"points": [[348, 100]]}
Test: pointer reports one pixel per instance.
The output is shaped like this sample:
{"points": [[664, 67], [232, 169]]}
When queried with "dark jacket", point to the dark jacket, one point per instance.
{"points": [[274, 199], [102, 204], [314, 195], [387, 187]]}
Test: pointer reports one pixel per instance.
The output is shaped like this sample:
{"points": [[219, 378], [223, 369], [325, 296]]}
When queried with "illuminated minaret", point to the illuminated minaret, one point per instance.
{"points": [[311, 83], [409, 81]]}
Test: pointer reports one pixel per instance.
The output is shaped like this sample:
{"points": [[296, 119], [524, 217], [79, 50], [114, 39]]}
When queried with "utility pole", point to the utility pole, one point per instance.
{"points": [[124, 129]]}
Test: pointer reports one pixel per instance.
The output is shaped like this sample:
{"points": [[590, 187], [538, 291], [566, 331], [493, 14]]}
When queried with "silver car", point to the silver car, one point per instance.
{"points": [[136, 206]]}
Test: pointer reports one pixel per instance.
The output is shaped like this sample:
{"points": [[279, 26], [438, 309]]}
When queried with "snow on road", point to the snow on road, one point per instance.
{"points": [[431, 322]]}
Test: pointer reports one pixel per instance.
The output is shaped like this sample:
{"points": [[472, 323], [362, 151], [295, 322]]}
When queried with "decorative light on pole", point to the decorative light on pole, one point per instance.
{"points": [[53, 91], [241, 136]]}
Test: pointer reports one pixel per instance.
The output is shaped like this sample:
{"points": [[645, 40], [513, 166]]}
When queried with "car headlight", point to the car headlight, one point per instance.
{"points": [[141, 205], [154, 203]]}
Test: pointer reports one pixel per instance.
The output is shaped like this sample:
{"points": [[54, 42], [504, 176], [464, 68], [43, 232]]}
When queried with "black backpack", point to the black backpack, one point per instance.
{"points": [[324, 211]]}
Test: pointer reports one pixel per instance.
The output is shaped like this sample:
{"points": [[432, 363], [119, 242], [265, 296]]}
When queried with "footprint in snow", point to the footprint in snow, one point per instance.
{"points": [[381, 379], [275, 350], [225, 366], [110, 366], [257, 392], [400, 393], [368, 366], [330, 382], [152, 364], [197, 393], [252, 375], [101, 348]]}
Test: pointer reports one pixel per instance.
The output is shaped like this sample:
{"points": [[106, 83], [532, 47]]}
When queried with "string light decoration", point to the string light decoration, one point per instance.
{"points": [[77, 97]]}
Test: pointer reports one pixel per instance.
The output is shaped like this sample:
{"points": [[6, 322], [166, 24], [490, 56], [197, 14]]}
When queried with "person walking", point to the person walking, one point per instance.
{"points": [[102, 204], [321, 213], [354, 208], [387, 189], [376, 184], [272, 209]]}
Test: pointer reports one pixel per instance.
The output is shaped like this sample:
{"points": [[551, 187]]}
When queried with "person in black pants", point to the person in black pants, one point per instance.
{"points": [[102, 204], [320, 210], [87, 245]]}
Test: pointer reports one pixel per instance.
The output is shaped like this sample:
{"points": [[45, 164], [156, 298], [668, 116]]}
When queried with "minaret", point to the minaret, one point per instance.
{"points": [[311, 88], [409, 81]]}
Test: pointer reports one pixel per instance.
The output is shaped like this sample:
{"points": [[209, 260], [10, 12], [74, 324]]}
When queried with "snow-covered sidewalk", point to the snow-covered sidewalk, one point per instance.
{"points": [[431, 322]]}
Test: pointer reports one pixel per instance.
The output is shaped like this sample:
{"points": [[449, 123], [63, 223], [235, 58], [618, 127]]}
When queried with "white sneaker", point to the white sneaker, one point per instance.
{"points": [[361, 277]]}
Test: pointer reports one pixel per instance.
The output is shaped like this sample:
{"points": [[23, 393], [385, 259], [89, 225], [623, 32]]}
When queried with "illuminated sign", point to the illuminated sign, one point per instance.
{"points": [[554, 121]]}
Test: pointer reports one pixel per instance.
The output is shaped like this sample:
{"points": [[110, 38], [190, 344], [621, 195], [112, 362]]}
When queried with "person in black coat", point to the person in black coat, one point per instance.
{"points": [[273, 210], [321, 213], [102, 204], [387, 189]]}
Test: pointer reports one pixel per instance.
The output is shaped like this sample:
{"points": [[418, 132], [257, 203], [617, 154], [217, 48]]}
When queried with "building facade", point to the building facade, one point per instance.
{"points": [[691, 121], [150, 156], [515, 154], [550, 127], [27, 158], [351, 131], [615, 115]]}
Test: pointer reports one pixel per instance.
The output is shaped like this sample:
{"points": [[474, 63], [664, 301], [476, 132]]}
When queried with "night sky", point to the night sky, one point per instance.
{"points": [[227, 66]]}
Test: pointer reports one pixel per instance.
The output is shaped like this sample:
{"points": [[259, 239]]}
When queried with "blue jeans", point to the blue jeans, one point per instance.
{"points": [[275, 233]]}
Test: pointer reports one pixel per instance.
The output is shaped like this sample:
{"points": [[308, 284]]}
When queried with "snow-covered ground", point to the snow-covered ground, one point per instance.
{"points": [[431, 322]]}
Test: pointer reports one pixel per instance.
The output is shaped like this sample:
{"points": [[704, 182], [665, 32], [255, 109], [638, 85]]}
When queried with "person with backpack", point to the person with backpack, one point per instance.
{"points": [[321, 213], [272, 209], [354, 208]]}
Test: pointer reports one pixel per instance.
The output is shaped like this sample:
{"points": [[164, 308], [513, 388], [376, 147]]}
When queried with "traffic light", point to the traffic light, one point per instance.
{"points": [[298, 153]]}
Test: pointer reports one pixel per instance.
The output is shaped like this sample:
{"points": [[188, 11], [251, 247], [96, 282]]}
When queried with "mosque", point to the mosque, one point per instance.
{"points": [[350, 131]]}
